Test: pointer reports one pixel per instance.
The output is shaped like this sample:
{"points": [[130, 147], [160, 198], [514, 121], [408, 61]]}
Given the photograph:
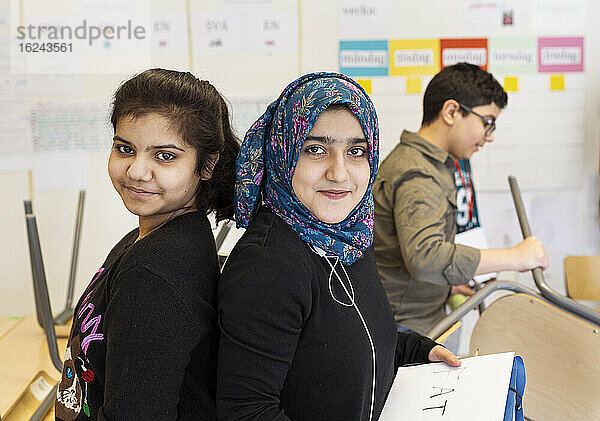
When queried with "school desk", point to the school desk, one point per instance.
{"points": [[23, 353]]}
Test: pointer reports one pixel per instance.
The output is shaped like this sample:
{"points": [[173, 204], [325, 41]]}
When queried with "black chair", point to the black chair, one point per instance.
{"points": [[37, 263], [42, 299]]}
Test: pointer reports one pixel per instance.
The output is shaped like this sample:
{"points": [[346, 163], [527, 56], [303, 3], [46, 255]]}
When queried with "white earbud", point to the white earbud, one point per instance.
{"points": [[319, 251]]}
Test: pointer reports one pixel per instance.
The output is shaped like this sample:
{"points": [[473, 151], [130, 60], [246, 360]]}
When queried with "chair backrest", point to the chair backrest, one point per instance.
{"points": [[560, 353], [582, 275]]}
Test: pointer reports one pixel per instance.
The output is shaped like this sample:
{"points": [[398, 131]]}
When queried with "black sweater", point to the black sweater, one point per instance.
{"points": [[144, 340], [288, 349]]}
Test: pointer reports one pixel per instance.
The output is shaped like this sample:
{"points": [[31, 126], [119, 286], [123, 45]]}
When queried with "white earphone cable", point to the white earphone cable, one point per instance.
{"points": [[352, 303]]}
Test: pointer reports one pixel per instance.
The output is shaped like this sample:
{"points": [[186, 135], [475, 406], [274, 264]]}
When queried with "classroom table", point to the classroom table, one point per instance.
{"points": [[7, 324], [23, 353]]}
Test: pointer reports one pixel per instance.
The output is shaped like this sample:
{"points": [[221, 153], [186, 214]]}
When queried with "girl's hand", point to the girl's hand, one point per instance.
{"points": [[439, 353]]}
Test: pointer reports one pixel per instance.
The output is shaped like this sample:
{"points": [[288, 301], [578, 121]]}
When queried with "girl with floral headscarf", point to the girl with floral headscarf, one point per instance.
{"points": [[306, 328]]}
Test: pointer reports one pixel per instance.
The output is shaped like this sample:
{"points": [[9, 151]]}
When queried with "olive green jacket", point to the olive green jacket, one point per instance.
{"points": [[415, 225]]}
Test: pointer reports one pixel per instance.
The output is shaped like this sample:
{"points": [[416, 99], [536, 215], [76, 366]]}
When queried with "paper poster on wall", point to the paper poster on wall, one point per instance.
{"points": [[512, 55], [488, 13], [90, 38], [245, 110], [169, 38], [70, 126], [217, 31], [245, 29], [476, 390], [414, 57], [364, 18], [364, 58], [558, 16], [16, 146], [470, 50], [558, 55], [15, 131], [276, 32]]}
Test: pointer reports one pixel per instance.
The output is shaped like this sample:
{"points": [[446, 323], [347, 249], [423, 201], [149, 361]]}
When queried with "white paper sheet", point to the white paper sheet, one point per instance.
{"points": [[70, 126], [475, 391], [217, 31], [81, 36], [276, 32], [245, 110], [475, 238], [169, 39], [488, 13], [366, 19], [15, 133], [559, 16], [245, 28]]}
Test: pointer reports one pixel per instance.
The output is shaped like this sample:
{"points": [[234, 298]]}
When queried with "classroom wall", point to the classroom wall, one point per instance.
{"points": [[549, 140]]}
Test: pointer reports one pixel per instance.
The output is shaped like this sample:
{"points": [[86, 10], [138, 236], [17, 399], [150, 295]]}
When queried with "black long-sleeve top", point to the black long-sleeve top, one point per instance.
{"points": [[144, 340], [291, 348]]}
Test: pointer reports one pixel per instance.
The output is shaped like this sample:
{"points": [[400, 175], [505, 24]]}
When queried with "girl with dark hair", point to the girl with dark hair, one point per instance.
{"points": [[144, 340], [307, 332]]}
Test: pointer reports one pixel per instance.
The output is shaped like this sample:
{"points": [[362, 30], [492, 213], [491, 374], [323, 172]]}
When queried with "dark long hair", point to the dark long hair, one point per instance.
{"points": [[198, 113]]}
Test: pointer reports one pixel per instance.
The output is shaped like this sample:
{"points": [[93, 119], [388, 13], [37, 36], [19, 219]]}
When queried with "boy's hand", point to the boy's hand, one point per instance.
{"points": [[530, 254], [464, 289]]}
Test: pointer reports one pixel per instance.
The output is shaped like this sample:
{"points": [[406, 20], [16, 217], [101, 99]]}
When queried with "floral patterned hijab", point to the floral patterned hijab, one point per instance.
{"points": [[270, 151]]}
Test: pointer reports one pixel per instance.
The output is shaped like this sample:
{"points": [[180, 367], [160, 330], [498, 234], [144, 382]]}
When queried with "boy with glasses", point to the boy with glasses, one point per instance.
{"points": [[415, 201]]}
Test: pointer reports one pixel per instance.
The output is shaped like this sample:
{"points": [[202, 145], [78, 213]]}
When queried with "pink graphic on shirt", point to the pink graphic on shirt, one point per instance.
{"points": [[87, 324], [96, 276]]}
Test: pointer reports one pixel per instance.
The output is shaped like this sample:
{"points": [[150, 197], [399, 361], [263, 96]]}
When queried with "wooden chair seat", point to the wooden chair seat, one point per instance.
{"points": [[582, 275], [560, 353]]}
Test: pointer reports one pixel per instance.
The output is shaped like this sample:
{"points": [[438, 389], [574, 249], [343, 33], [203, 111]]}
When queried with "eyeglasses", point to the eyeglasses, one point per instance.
{"points": [[488, 122]]}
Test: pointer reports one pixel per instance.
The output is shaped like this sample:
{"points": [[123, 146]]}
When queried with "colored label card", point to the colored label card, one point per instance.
{"points": [[364, 58], [560, 54], [470, 50], [512, 55], [414, 57]]}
